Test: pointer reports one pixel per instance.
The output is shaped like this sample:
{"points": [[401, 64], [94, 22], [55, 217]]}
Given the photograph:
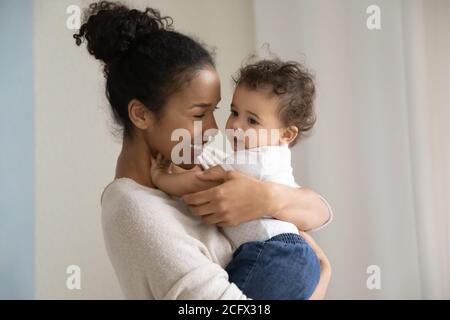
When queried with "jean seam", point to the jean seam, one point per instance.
{"points": [[253, 267]]}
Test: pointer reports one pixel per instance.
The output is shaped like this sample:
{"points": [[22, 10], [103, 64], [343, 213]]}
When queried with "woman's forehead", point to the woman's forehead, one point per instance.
{"points": [[204, 88]]}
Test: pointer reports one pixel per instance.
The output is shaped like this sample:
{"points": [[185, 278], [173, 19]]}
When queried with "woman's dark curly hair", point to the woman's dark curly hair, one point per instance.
{"points": [[144, 58], [291, 82]]}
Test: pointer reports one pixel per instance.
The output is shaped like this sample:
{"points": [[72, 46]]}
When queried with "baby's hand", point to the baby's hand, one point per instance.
{"points": [[159, 167]]}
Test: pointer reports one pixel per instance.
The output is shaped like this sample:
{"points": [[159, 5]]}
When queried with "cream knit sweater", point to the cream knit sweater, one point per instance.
{"points": [[159, 250]]}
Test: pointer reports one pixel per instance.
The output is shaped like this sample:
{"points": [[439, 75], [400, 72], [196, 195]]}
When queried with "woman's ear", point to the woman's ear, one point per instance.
{"points": [[139, 115], [289, 134]]}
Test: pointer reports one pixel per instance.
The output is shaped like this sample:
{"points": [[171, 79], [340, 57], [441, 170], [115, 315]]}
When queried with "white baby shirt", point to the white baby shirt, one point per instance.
{"points": [[268, 163]]}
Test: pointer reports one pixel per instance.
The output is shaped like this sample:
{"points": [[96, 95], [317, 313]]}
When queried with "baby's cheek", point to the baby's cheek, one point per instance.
{"points": [[268, 137], [252, 138]]}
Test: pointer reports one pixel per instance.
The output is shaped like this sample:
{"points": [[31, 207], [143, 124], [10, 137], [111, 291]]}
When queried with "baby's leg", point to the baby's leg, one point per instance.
{"points": [[282, 268]]}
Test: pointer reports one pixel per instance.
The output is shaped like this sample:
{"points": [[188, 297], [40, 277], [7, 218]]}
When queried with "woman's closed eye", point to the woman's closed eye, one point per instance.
{"points": [[201, 115]]}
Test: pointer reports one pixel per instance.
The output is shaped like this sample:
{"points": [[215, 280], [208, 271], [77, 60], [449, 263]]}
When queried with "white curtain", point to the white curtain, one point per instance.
{"points": [[380, 152]]}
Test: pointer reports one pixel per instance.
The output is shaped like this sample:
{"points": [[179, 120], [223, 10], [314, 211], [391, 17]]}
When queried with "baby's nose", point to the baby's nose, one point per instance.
{"points": [[239, 133], [236, 125]]}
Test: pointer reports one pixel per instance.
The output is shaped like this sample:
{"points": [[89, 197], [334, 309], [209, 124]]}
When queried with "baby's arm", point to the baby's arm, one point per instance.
{"points": [[177, 184]]}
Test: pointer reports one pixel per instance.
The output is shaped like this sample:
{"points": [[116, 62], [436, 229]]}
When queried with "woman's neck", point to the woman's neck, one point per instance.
{"points": [[134, 162]]}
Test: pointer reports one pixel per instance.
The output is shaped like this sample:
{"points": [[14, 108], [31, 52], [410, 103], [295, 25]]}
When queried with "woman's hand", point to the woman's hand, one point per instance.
{"points": [[158, 167], [325, 269], [239, 199]]}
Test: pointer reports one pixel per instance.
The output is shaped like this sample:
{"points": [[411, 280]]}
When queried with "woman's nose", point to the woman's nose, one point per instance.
{"points": [[210, 124], [210, 128]]}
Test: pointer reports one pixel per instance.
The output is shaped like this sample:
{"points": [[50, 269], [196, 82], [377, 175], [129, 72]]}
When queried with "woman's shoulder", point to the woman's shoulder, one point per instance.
{"points": [[125, 189], [125, 202]]}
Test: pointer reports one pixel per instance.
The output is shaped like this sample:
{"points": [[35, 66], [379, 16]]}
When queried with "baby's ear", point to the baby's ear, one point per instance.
{"points": [[289, 134], [140, 115]]}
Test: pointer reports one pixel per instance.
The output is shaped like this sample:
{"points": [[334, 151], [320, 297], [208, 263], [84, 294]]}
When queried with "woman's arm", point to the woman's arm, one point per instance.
{"points": [[325, 269], [300, 206], [180, 183], [241, 198], [177, 182], [154, 256]]}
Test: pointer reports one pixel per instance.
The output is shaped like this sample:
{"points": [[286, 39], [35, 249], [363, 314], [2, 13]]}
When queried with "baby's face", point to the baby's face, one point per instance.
{"points": [[254, 119]]}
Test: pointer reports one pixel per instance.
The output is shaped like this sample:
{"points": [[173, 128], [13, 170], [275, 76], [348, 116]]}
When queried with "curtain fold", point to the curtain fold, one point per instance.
{"points": [[380, 149]]}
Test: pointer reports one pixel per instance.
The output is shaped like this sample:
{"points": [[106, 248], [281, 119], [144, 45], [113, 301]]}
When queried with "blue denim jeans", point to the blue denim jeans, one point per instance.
{"points": [[284, 267]]}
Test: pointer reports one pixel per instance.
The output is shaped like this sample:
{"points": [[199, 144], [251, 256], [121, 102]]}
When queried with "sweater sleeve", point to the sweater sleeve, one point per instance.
{"points": [[159, 251], [177, 267], [330, 215]]}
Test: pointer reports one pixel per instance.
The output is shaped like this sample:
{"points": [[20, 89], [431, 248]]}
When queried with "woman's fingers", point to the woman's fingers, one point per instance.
{"points": [[216, 173], [212, 219], [198, 198], [203, 209], [153, 163], [159, 160], [209, 214]]}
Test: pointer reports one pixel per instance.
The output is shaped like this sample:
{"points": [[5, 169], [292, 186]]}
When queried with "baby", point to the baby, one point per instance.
{"points": [[272, 108]]}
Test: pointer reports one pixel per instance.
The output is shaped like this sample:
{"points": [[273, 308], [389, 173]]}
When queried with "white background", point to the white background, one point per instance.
{"points": [[379, 152]]}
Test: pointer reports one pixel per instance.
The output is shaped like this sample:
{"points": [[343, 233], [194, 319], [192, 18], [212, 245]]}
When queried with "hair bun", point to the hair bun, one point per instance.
{"points": [[112, 28]]}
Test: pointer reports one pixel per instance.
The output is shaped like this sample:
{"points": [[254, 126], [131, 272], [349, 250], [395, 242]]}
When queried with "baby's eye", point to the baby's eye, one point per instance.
{"points": [[234, 113], [252, 121]]}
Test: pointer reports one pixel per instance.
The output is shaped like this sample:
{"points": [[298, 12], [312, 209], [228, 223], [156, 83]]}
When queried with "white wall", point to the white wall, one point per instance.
{"points": [[75, 150], [380, 147], [360, 156]]}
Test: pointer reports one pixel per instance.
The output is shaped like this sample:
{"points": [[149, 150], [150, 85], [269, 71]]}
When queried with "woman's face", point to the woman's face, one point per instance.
{"points": [[194, 102]]}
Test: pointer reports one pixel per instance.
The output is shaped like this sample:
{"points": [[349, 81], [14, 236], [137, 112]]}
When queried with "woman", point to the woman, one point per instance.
{"points": [[158, 80]]}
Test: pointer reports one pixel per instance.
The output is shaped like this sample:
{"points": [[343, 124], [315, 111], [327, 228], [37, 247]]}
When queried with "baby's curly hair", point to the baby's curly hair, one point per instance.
{"points": [[291, 82]]}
